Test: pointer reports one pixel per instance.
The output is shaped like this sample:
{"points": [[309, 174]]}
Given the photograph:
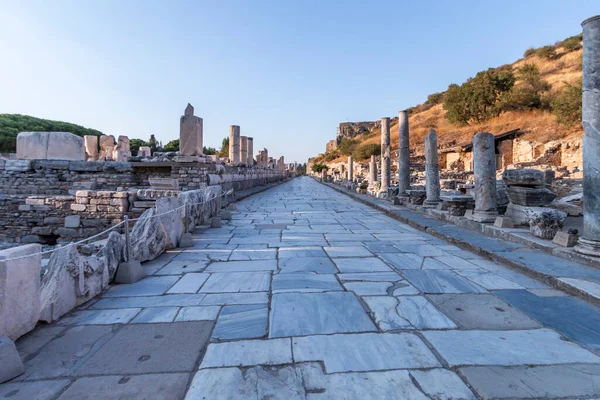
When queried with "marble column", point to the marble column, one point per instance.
{"points": [[403, 154], [432, 170], [350, 168], [589, 242], [385, 154], [234, 144], [373, 171], [484, 167], [243, 150], [250, 151]]}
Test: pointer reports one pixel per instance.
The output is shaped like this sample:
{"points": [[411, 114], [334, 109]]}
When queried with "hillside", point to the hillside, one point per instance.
{"points": [[540, 125], [12, 124]]}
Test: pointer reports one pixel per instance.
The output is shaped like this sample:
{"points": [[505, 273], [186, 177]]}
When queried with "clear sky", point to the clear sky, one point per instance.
{"points": [[286, 71]]}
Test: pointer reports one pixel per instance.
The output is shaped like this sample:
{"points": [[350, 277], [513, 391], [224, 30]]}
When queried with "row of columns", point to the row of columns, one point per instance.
{"points": [[241, 149]]}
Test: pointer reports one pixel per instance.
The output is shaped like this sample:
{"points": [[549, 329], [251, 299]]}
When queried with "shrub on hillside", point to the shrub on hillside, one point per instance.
{"points": [[330, 155], [573, 43], [365, 151], [347, 146], [529, 94], [529, 52], [567, 105], [435, 98], [547, 52]]}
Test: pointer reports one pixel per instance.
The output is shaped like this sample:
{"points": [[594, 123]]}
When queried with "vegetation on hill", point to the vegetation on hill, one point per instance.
{"points": [[540, 94], [12, 124]]}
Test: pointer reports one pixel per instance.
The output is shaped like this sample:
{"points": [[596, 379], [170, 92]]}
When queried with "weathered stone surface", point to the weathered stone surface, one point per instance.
{"points": [[72, 221], [50, 146], [432, 169], [190, 133], [171, 219], [385, 154], [403, 153], [545, 223], [164, 183], [484, 165], [39, 390], [523, 177], [91, 147], [234, 145], [149, 238], [565, 239], [248, 353], [532, 197], [10, 362], [19, 290], [17, 165]]}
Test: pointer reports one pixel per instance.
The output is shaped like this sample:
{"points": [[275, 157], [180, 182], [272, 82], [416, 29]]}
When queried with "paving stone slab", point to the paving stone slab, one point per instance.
{"points": [[367, 264], [224, 299], [441, 281], [296, 314], [31, 343], [403, 260], [441, 384], [319, 265], [245, 353], [182, 267], [488, 279], [40, 390], [233, 282], [524, 382], [189, 283], [156, 314], [243, 266], [482, 311], [525, 347], [353, 251], [406, 312], [242, 322], [100, 317], [305, 282], [368, 288], [456, 262], [571, 316], [173, 300], [551, 265], [370, 277], [203, 313], [154, 386], [150, 348], [364, 352]]}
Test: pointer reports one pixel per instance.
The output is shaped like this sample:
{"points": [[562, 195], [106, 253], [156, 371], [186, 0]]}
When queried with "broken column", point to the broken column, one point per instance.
{"points": [[234, 144], [432, 170], [107, 145], [484, 166], [265, 158], [123, 151], [244, 150], [350, 168], [250, 151], [91, 147], [403, 153], [373, 172], [190, 133], [589, 242], [385, 154]]}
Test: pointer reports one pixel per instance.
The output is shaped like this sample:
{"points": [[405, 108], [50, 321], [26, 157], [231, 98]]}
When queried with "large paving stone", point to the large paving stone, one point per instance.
{"points": [[441, 281], [305, 282], [150, 348], [482, 311], [155, 386], [243, 266], [442, 384], [40, 390], [552, 265], [525, 382], [149, 286], [364, 352], [242, 322], [295, 314], [405, 312], [572, 317], [526, 347], [319, 265], [169, 300], [237, 282], [33, 342], [246, 353], [368, 264]]}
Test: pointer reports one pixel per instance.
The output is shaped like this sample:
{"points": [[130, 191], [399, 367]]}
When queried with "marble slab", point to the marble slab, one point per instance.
{"points": [[456, 262], [241, 322], [370, 276], [294, 314], [441, 281], [367, 264], [245, 353], [525, 347], [233, 282], [353, 251], [319, 265], [100, 317], [305, 282], [440, 384], [488, 279], [368, 288], [149, 286], [189, 283], [182, 267], [223, 299], [156, 314], [203, 313], [243, 266], [256, 254], [301, 251], [406, 312], [403, 260], [364, 352], [173, 300]]}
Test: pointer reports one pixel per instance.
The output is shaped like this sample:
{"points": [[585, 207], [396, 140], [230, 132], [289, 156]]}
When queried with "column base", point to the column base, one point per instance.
{"points": [[431, 203], [588, 247], [484, 216], [12, 366], [129, 272]]}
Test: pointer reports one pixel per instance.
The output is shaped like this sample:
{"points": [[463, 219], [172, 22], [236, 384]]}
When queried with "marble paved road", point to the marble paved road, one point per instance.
{"points": [[307, 294]]}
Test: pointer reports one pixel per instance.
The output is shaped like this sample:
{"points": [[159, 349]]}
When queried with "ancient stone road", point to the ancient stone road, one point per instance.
{"points": [[308, 294]]}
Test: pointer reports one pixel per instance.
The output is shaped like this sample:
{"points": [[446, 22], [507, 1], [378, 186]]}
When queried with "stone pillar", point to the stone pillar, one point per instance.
{"points": [[373, 171], [385, 154], [190, 133], [350, 168], [250, 151], [265, 159], [484, 167], [403, 154], [589, 242], [244, 149], [234, 144], [91, 147], [432, 170]]}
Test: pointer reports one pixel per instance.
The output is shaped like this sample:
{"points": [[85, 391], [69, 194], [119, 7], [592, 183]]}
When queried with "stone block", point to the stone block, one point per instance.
{"points": [[51, 164], [523, 177], [533, 197], [129, 272], [215, 222], [91, 147], [17, 165], [226, 215], [86, 166], [186, 240], [72, 221], [149, 239], [164, 183], [19, 290], [35, 201], [78, 207], [70, 232], [545, 222], [11, 363], [50, 146], [30, 239], [504, 222], [171, 218], [565, 239]]}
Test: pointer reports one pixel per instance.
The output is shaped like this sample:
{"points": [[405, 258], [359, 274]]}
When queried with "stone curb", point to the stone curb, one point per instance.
{"points": [[482, 244]]}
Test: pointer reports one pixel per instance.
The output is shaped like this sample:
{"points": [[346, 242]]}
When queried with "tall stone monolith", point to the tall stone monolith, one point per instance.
{"points": [[484, 167], [350, 168], [244, 149], [91, 147], [234, 144], [373, 171], [403, 153], [190, 133], [432, 170], [250, 151], [385, 154], [589, 242]]}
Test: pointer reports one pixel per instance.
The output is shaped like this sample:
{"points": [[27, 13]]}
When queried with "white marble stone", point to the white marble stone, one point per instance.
{"points": [[100, 317], [189, 283], [156, 314], [370, 276], [237, 282], [488, 279], [364, 352], [305, 282], [170, 300], [243, 266], [368, 264], [403, 260], [223, 299], [526, 347], [441, 384], [405, 312], [368, 288], [353, 251], [303, 251], [456, 262], [181, 267], [202, 313], [257, 254], [591, 288], [149, 286], [319, 265], [247, 353], [242, 322]]}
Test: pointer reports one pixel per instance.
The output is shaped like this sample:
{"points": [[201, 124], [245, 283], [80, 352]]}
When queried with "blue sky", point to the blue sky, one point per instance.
{"points": [[286, 71]]}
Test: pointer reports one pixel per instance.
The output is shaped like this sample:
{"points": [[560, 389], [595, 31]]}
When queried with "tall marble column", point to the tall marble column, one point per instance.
{"points": [[250, 151], [234, 144], [484, 166], [385, 154], [373, 171], [244, 150], [403, 153], [432, 169], [589, 242], [350, 168]]}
